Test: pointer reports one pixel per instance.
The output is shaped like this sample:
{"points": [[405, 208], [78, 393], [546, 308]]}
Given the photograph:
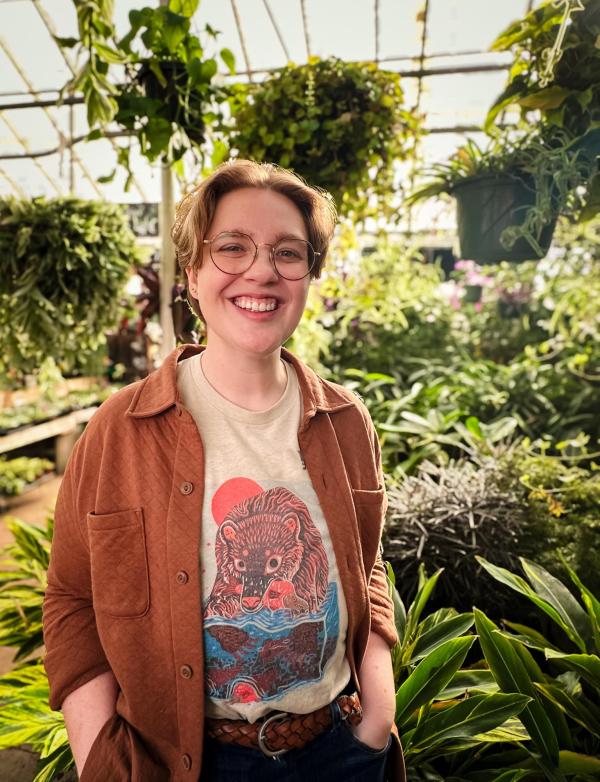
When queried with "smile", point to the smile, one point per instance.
{"points": [[255, 305]]}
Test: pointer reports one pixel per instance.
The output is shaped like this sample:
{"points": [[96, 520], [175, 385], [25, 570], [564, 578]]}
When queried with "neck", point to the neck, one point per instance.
{"points": [[254, 383]]}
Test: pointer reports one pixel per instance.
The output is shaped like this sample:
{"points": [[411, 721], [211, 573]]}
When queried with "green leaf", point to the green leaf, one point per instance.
{"points": [[174, 30], [520, 585], [66, 43], [228, 59], [587, 665], [451, 628], [590, 601], [469, 681], [577, 763], [548, 98], [576, 708], [512, 677], [556, 593], [430, 676], [426, 587], [185, 8], [474, 715], [108, 54]]}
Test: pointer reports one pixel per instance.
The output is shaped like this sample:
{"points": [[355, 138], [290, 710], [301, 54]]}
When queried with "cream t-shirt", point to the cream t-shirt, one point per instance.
{"points": [[274, 614]]}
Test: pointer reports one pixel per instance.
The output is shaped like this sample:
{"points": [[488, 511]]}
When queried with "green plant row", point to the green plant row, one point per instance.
{"points": [[16, 474], [16, 417]]}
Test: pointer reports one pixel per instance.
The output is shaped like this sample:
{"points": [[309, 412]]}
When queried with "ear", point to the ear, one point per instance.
{"points": [[228, 531], [189, 271]]}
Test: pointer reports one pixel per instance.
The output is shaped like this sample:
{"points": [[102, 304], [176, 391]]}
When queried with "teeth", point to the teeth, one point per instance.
{"points": [[255, 305]]}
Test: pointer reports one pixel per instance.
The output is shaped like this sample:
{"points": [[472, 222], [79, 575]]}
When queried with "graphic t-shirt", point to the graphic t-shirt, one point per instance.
{"points": [[274, 614]]}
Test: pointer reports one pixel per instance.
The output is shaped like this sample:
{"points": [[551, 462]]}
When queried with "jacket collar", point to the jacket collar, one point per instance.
{"points": [[158, 391]]}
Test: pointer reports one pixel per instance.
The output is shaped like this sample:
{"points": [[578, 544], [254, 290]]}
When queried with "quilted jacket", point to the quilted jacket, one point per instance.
{"points": [[123, 584]]}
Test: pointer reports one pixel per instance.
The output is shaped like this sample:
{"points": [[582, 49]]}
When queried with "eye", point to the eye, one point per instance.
{"points": [[273, 564], [288, 253], [240, 565]]}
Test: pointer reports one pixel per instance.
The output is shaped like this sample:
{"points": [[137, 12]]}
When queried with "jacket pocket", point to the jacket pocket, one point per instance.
{"points": [[119, 565]]}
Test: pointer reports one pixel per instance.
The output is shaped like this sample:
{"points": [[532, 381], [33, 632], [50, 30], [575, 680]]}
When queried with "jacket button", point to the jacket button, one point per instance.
{"points": [[186, 671], [182, 577], [186, 762], [186, 487]]}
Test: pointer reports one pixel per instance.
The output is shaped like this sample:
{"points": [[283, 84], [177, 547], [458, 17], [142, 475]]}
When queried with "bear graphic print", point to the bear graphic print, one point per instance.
{"points": [[271, 621]]}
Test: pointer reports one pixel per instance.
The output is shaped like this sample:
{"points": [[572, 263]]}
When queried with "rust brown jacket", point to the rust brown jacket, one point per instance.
{"points": [[124, 585]]}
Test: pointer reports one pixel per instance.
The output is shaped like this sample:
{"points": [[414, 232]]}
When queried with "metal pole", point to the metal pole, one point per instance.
{"points": [[167, 261]]}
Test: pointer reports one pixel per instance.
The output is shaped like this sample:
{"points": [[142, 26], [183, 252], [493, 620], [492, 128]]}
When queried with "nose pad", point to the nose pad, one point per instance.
{"points": [[262, 267]]}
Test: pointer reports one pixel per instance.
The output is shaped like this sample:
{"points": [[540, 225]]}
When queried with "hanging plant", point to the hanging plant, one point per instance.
{"points": [[167, 93], [555, 77], [340, 125], [510, 194], [65, 262]]}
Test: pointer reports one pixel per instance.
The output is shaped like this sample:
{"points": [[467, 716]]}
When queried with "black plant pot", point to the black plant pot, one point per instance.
{"points": [[472, 294], [171, 97], [486, 206]]}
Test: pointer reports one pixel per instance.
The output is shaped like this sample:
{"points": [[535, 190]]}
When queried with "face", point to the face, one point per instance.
{"points": [[226, 300]]}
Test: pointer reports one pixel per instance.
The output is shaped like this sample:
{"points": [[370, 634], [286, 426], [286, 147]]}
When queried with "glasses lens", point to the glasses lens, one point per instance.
{"points": [[294, 258], [232, 252]]}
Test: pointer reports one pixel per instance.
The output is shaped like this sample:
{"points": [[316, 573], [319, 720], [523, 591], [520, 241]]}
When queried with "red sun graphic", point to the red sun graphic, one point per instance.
{"points": [[232, 492]]}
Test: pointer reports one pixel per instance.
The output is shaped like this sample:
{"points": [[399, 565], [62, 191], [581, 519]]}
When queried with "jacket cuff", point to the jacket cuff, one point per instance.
{"points": [[382, 607]]}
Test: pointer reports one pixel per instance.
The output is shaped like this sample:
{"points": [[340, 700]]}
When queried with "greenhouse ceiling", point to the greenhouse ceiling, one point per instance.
{"points": [[441, 48]]}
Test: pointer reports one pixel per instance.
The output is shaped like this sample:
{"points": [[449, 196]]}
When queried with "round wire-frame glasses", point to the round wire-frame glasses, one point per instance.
{"points": [[234, 253]]}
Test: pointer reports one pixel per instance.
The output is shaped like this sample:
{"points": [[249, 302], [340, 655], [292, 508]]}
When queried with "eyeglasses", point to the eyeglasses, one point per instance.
{"points": [[234, 253]]}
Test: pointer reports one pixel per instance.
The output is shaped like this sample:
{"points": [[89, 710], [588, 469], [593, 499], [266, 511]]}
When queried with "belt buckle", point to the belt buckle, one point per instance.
{"points": [[270, 753]]}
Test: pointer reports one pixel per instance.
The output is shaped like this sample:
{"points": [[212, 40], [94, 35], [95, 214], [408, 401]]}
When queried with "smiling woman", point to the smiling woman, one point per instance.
{"points": [[227, 588]]}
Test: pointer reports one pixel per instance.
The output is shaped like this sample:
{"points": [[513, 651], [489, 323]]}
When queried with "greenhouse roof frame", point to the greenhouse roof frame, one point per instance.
{"points": [[296, 33]]}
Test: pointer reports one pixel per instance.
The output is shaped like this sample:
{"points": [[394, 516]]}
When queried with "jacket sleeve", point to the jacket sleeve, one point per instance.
{"points": [[382, 607], [74, 654]]}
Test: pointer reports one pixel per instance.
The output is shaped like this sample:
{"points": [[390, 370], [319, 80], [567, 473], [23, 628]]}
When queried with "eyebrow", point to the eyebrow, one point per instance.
{"points": [[278, 237]]}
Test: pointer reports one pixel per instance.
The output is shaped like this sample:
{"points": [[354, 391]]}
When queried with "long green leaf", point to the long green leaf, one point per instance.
{"points": [[426, 587], [520, 585], [551, 589], [512, 677], [430, 676], [439, 634], [587, 665], [576, 708], [590, 601], [468, 718], [577, 763], [469, 681]]}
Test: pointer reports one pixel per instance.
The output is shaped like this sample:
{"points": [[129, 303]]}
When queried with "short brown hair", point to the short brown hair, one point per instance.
{"points": [[195, 212]]}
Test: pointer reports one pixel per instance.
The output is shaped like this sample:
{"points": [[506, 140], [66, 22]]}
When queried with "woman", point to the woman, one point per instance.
{"points": [[217, 607]]}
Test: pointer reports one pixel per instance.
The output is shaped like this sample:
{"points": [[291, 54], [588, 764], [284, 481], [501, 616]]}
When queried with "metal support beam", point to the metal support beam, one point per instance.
{"points": [[167, 262], [305, 26], [238, 24]]}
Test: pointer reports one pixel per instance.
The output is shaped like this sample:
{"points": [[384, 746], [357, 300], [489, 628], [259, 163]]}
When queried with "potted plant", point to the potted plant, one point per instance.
{"points": [[339, 124], [555, 78], [509, 195], [169, 92]]}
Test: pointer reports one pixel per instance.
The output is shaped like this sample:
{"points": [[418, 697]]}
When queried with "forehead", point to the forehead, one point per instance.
{"points": [[257, 212]]}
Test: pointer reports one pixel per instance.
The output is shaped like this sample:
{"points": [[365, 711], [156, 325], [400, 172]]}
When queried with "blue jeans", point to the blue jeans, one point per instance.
{"points": [[334, 756]]}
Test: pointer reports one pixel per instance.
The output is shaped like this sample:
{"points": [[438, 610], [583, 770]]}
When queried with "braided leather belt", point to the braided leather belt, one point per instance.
{"points": [[282, 731]]}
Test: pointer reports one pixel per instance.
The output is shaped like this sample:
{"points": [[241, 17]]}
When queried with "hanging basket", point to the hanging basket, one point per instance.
{"points": [[486, 206], [171, 97]]}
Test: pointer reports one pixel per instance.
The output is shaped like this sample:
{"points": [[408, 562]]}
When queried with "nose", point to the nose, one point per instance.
{"points": [[263, 268]]}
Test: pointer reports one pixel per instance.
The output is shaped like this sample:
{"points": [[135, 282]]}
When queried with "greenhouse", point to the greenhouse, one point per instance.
{"points": [[299, 390]]}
